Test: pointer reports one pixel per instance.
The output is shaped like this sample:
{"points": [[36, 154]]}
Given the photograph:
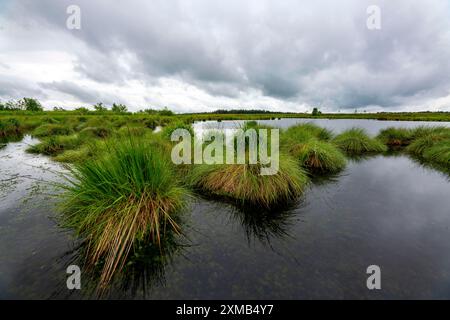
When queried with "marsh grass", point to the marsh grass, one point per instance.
{"points": [[169, 129], [77, 155], [137, 131], [54, 145], [319, 157], [356, 142], [10, 127], [306, 131], [244, 184], [96, 132], [396, 137], [127, 196], [47, 130], [439, 153]]}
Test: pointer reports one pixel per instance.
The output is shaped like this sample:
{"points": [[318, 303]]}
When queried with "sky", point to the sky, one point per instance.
{"points": [[203, 55]]}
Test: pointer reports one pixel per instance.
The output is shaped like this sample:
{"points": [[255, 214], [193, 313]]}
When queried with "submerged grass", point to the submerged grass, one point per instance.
{"points": [[356, 142], [128, 195]]}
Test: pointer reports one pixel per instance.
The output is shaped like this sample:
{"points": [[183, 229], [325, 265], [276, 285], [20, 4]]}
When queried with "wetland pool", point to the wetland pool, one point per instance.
{"points": [[385, 210]]}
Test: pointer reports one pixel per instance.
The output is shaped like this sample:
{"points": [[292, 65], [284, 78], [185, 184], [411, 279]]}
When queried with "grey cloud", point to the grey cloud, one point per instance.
{"points": [[317, 52]]}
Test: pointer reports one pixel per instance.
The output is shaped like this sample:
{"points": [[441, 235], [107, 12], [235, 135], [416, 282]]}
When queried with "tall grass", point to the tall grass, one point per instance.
{"points": [[439, 153], [244, 184], [9, 127], [305, 131], [54, 145], [396, 137], [356, 142], [319, 157], [310, 145], [128, 195], [46, 130]]}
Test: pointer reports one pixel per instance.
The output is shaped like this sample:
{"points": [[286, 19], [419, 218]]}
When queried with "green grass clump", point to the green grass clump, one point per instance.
{"points": [[96, 132], [129, 195], [134, 131], [439, 154], [356, 142], [76, 155], [318, 156], [243, 182], [396, 137], [10, 127], [305, 131], [169, 129], [54, 145], [420, 145], [47, 130]]}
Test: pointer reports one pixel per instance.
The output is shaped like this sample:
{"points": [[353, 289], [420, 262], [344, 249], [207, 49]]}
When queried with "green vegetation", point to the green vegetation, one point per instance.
{"points": [[47, 130], [10, 127], [357, 142], [310, 145], [431, 145], [319, 157], [244, 184], [131, 194], [439, 154], [396, 137]]}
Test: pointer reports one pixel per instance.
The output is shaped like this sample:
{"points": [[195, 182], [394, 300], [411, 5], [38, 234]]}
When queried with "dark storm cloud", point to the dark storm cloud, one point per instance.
{"points": [[318, 53]]}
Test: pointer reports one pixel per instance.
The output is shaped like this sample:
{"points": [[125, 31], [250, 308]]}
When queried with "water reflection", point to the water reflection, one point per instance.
{"points": [[387, 210]]}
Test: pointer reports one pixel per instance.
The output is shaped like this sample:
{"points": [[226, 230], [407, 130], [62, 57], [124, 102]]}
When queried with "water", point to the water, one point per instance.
{"points": [[385, 210], [372, 127]]}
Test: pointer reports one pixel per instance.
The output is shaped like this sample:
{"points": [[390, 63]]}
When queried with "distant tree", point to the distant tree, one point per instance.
{"points": [[99, 107], [151, 111], [2, 106], [166, 112], [119, 108], [316, 112], [82, 110], [30, 104], [12, 105], [58, 109]]}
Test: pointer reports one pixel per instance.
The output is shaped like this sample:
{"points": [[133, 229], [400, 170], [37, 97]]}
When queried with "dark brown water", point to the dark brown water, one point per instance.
{"points": [[386, 210]]}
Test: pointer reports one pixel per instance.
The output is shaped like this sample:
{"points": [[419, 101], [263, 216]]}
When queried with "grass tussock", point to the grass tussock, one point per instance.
{"points": [[75, 156], [396, 137], [439, 153], [319, 157], [128, 195], [169, 129], [47, 130], [243, 182], [306, 131], [356, 142], [54, 145], [96, 132], [10, 127]]}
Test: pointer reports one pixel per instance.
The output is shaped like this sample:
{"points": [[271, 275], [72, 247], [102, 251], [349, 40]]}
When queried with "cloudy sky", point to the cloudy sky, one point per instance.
{"points": [[200, 55]]}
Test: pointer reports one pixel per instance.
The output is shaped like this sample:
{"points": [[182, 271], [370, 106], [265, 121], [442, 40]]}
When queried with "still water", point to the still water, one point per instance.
{"points": [[385, 210]]}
